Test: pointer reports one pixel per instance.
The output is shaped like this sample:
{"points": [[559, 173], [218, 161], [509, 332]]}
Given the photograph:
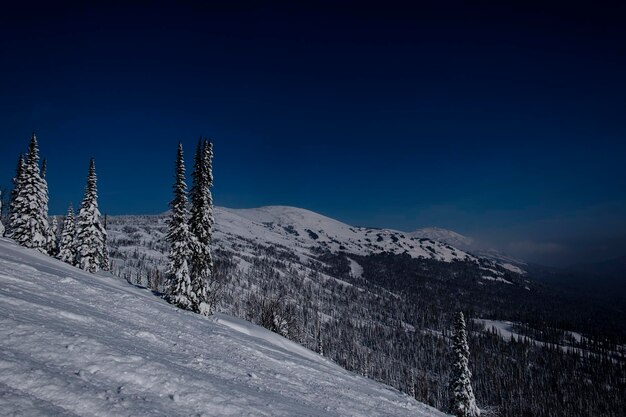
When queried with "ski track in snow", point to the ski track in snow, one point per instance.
{"points": [[77, 344]]}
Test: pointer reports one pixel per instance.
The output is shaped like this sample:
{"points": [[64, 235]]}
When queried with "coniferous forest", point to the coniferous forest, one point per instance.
{"points": [[395, 323], [421, 325], [406, 208]]}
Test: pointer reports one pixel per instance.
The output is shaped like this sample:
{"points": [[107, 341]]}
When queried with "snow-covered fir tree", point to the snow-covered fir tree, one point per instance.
{"points": [[54, 226], [29, 212], [179, 288], [200, 224], [106, 261], [463, 403], [44, 168], [51, 238], [13, 201], [319, 345], [90, 235], [1, 225], [67, 246]]}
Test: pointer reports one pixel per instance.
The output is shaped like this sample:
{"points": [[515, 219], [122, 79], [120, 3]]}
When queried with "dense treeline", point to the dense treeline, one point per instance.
{"points": [[460, 284], [83, 241]]}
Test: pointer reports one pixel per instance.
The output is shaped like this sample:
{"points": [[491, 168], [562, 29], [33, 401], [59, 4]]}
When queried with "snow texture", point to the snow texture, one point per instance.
{"points": [[496, 279], [80, 344], [203, 290], [67, 245], [505, 329], [90, 234], [29, 209], [463, 400], [1, 225], [296, 227], [179, 289], [288, 230]]}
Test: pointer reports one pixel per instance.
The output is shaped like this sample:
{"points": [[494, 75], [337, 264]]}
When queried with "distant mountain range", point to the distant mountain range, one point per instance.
{"points": [[472, 246], [306, 233], [291, 226], [376, 301]]}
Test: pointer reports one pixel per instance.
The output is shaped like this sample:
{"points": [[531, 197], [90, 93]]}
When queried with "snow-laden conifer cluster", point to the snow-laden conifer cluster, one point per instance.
{"points": [[83, 244], [67, 245], [191, 282], [28, 218]]}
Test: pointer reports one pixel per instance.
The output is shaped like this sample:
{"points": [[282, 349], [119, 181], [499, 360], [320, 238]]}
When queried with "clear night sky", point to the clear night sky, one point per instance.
{"points": [[503, 123]]}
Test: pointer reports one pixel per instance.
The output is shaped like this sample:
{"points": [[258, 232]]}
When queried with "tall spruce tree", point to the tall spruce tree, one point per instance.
{"points": [[67, 246], [179, 288], [51, 239], [29, 212], [17, 181], [90, 235], [106, 261], [463, 403], [200, 224], [1, 225], [44, 168]]}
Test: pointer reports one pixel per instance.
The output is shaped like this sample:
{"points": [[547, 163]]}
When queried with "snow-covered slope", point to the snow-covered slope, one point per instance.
{"points": [[76, 344], [444, 235], [139, 244], [296, 227], [472, 246]]}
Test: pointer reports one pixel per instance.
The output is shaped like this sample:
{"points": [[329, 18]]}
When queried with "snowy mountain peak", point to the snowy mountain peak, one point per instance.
{"points": [[285, 215], [303, 230], [445, 235]]}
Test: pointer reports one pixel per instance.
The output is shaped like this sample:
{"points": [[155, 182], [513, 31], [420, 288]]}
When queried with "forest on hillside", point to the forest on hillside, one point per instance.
{"points": [[394, 323]]}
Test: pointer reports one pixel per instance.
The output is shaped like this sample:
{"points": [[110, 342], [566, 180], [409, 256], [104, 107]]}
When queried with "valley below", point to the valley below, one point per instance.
{"points": [[380, 303]]}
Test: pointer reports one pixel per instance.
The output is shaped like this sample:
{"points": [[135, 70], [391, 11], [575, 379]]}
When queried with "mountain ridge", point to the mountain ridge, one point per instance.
{"points": [[283, 214], [289, 215]]}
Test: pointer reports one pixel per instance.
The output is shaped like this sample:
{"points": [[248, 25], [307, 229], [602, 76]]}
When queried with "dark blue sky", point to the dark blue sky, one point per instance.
{"points": [[507, 123]]}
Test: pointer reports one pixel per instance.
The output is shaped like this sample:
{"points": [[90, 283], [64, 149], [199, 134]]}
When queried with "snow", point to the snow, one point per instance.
{"points": [[355, 269], [444, 235], [496, 279], [290, 232], [300, 228], [513, 268], [75, 343], [505, 330], [1, 225], [576, 336]]}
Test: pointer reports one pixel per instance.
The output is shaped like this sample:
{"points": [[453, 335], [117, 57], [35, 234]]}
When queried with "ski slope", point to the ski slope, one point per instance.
{"points": [[76, 344]]}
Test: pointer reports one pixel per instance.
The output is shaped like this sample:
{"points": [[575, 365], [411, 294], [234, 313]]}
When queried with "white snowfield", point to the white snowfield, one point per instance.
{"points": [[76, 344], [295, 227]]}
